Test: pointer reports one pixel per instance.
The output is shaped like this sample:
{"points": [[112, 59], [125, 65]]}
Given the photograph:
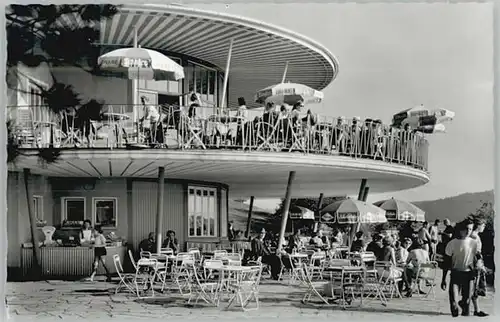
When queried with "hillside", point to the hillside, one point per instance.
{"points": [[454, 208], [238, 213]]}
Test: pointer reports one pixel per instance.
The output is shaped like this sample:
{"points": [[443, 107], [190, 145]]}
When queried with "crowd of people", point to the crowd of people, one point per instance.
{"points": [[455, 248]]}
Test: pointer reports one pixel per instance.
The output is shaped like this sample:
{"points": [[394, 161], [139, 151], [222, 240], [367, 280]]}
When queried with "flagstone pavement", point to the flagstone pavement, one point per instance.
{"points": [[72, 300]]}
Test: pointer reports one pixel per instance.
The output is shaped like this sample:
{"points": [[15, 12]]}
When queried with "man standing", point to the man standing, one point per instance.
{"points": [[462, 252], [434, 233], [479, 278], [447, 233], [424, 236]]}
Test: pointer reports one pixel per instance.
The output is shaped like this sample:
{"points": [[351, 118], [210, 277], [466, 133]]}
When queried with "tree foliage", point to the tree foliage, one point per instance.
{"points": [[39, 34]]}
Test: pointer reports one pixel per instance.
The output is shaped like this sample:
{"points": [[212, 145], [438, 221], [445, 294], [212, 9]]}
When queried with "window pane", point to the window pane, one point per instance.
{"points": [[198, 78], [105, 213], [211, 82], [202, 212], [204, 81], [75, 210]]}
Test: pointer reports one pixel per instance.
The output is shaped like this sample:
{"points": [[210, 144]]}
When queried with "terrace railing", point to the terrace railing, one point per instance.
{"points": [[118, 128]]}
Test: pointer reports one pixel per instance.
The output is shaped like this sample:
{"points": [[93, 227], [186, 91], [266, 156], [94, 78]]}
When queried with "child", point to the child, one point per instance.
{"points": [[99, 253]]}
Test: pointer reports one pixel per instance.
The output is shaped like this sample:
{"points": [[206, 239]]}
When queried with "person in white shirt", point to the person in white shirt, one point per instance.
{"points": [[434, 234], [416, 257], [150, 119], [86, 232], [462, 252], [479, 225]]}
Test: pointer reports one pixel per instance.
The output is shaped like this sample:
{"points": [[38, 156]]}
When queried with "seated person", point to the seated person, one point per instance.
{"points": [[376, 246], [359, 244], [388, 255], [148, 244], [171, 242], [295, 243], [316, 240], [402, 251], [260, 249], [416, 257]]}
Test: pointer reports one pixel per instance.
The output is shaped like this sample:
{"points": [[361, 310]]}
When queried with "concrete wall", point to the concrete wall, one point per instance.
{"points": [[90, 188], [18, 224]]}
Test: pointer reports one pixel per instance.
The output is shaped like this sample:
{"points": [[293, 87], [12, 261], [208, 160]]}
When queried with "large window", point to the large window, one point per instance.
{"points": [[105, 212], [202, 80], [202, 212], [38, 208], [73, 209], [39, 111]]}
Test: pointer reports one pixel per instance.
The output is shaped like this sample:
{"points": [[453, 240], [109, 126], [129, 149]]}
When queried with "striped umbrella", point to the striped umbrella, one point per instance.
{"points": [[351, 211], [298, 212], [139, 63], [288, 93], [430, 129], [401, 210]]}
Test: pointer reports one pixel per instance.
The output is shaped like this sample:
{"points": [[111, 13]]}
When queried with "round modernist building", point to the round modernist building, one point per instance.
{"points": [[114, 181]]}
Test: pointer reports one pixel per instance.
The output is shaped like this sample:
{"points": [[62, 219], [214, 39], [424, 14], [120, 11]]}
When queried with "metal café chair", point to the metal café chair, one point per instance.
{"points": [[126, 279]]}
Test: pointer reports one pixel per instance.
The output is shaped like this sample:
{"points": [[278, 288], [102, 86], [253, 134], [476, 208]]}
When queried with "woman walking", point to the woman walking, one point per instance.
{"points": [[99, 254]]}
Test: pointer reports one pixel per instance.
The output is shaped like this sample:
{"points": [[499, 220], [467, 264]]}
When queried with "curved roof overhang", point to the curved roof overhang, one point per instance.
{"points": [[260, 50], [259, 174]]}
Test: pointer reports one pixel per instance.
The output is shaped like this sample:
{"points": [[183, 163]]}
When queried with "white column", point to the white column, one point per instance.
{"points": [[226, 75], [284, 73], [286, 208], [135, 93], [496, 99]]}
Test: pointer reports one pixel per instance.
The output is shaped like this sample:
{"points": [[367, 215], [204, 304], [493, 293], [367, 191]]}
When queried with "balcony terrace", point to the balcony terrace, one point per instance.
{"points": [[214, 144]]}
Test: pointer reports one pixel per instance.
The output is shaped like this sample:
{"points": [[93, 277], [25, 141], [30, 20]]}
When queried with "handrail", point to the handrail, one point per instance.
{"points": [[310, 134]]}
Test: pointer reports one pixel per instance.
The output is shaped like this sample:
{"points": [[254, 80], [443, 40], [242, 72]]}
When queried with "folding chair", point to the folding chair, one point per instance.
{"points": [[427, 273], [246, 287], [389, 278], [204, 289], [145, 276], [126, 280], [295, 271], [316, 264], [181, 273], [132, 260]]}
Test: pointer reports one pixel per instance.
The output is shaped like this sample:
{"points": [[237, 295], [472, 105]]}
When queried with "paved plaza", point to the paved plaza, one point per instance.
{"points": [[71, 300]]}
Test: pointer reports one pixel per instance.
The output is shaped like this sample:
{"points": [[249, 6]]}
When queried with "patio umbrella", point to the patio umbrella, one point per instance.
{"points": [[351, 211], [430, 129], [139, 63], [414, 112], [288, 93], [298, 212], [401, 210]]}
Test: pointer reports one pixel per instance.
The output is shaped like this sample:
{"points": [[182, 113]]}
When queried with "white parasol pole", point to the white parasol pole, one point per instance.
{"points": [[226, 74], [284, 74], [135, 92]]}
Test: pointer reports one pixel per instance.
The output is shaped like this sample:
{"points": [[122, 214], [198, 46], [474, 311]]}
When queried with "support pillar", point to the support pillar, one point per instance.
{"points": [[29, 199], [226, 74], [355, 227], [135, 93], [284, 73], [159, 211], [249, 219], [318, 208], [286, 208]]}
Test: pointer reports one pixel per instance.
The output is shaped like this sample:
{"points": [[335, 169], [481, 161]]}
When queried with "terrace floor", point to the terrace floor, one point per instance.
{"points": [[96, 301]]}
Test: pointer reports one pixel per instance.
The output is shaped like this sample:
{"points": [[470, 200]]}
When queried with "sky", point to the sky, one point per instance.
{"points": [[397, 56]]}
